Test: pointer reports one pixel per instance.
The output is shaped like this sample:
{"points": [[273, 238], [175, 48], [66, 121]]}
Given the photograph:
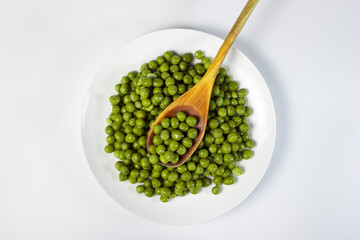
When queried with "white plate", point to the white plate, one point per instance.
{"points": [[191, 208]]}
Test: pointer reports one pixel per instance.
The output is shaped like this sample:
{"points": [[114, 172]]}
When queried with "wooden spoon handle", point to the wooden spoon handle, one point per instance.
{"points": [[229, 40]]}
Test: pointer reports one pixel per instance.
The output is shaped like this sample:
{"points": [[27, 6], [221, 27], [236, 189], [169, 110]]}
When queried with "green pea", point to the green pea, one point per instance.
{"points": [[228, 158], [219, 79], [183, 66], [222, 72], [244, 127], [229, 180], [215, 190], [181, 150], [181, 88], [212, 167], [144, 174], [164, 75], [122, 177], [242, 92], [233, 137], [231, 165], [192, 71], [144, 162], [174, 145], [178, 75], [153, 64], [164, 67], [144, 93], [231, 111], [208, 138], [187, 57], [183, 127], [174, 68], [187, 142], [134, 173], [173, 176], [167, 141], [147, 82], [192, 133], [109, 130], [110, 139], [136, 157], [203, 153], [175, 59], [109, 148], [218, 180], [165, 173], [165, 122], [157, 167], [205, 60], [182, 169], [217, 133], [149, 192], [222, 112], [152, 149], [198, 184], [164, 135], [157, 140], [174, 122], [196, 79], [165, 191], [249, 144], [199, 169], [169, 81], [154, 159], [118, 165], [204, 162], [213, 148], [248, 112], [191, 121], [140, 189], [187, 176], [168, 55], [225, 128], [158, 83], [157, 191], [176, 135], [213, 123], [156, 183], [157, 129], [191, 166], [160, 150], [247, 154], [164, 103], [168, 183], [233, 86], [226, 148], [164, 199], [199, 54], [132, 75]]}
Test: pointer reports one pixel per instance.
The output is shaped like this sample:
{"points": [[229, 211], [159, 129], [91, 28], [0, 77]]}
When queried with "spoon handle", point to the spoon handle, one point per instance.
{"points": [[229, 40]]}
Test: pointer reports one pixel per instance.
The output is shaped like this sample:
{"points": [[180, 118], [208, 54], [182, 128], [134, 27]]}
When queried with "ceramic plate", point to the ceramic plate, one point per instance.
{"points": [[191, 208]]}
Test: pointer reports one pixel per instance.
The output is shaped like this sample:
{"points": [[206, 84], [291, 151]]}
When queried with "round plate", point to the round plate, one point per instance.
{"points": [[191, 208]]}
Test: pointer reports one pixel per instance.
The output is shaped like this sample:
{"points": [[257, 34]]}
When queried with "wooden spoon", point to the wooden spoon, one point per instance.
{"points": [[196, 101]]}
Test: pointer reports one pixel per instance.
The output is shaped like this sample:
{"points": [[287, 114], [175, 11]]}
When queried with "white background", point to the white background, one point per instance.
{"points": [[307, 51]]}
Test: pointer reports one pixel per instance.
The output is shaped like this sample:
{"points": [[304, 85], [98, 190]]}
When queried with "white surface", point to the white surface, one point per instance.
{"points": [[205, 205], [308, 53]]}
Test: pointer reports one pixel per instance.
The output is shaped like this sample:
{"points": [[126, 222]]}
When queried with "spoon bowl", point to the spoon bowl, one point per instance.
{"points": [[190, 104]]}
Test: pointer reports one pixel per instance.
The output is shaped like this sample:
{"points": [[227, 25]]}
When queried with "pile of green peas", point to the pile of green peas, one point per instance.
{"points": [[142, 96], [173, 136]]}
